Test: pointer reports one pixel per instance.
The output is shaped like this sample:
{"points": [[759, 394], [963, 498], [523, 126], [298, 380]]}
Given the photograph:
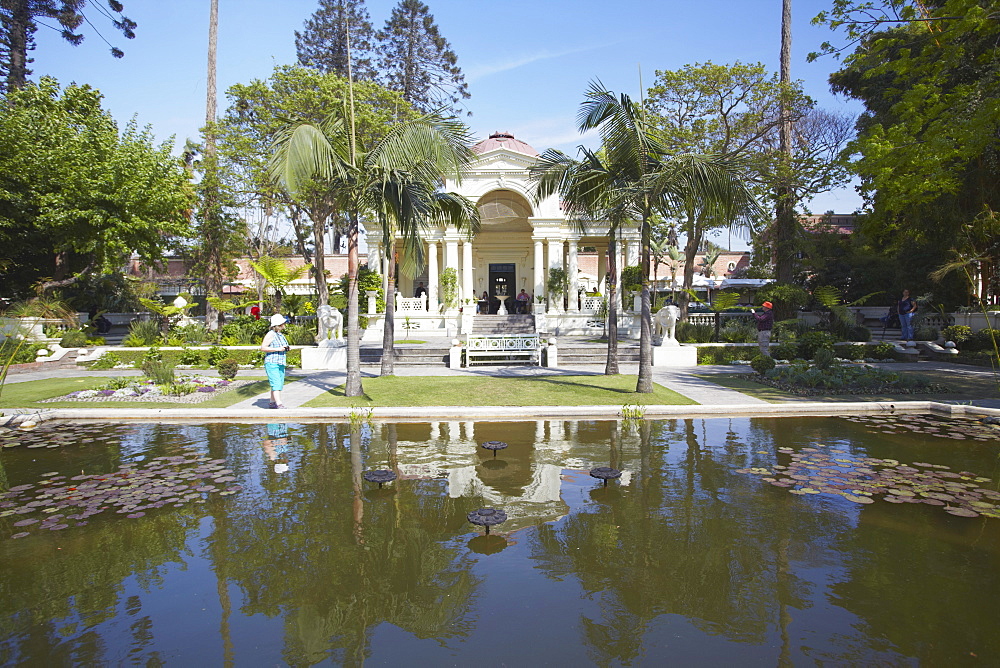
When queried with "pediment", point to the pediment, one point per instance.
{"points": [[502, 159]]}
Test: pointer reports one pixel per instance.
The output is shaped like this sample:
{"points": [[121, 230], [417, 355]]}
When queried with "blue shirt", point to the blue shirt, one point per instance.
{"points": [[277, 341]]}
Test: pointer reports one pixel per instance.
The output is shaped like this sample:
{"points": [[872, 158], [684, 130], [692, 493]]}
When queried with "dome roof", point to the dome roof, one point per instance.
{"points": [[504, 140]]}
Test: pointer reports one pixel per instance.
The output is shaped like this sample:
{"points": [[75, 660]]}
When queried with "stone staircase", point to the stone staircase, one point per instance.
{"points": [[408, 355], [574, 352], [484, 325]]}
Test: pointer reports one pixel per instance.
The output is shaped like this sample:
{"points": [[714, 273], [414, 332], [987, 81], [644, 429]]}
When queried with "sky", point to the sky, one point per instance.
{"points": [[527, 63]]}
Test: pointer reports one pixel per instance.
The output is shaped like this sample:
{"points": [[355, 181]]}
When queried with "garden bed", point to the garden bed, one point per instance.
{"points": [[142, 390]]}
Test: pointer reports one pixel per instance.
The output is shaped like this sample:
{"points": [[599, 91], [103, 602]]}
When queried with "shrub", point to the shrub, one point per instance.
{"points": [[926, 333], [691, 333], [192, 334], [227, 368], [73, 338], [300, 335], [108, 360], [982, 340], [216, 355], [190, 357], [859, 333], [957, 333], [812, 341], [245, 330], [143, 333], [823, 358], [96, 341], [788, 350], [851, 351], [738, 331], [715, 355], [159, 371], [785, 330], [762, 364], [883, 351]]}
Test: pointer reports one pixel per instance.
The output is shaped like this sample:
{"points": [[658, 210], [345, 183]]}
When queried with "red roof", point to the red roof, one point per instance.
{"points": [[504, 140]]}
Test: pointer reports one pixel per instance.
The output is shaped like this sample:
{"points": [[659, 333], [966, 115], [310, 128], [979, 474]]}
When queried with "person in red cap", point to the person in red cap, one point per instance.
{"points": [[765, 323]]}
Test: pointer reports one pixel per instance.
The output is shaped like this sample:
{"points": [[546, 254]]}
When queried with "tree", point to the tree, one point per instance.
{"points": [[785, 219], [416, 61], [927, 143], [333, 28], [77, 196], [260, 109], [19, 21], [393, 181], [278, 274], [637, 177]]}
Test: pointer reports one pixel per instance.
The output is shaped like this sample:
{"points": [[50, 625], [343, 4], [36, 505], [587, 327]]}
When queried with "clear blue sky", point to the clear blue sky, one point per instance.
{"points": [[527, 63]]}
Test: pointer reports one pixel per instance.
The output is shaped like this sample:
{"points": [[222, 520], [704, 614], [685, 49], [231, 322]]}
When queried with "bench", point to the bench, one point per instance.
{"points": [[520, 348]]}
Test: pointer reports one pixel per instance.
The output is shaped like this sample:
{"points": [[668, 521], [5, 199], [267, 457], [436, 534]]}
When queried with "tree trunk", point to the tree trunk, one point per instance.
{"points": [[213, 278], [389, 331], [352, 387], [19, 38], [690, 252], [319, 261], [644, 383], [785, 210], [611, 286]]}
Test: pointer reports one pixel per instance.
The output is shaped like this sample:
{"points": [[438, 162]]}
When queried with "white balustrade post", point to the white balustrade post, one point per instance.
{"points": [[467, 287], [574, 282]]}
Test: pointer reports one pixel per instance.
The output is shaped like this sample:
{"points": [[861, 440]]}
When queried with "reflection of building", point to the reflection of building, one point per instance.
{"points": [[526, 478]]}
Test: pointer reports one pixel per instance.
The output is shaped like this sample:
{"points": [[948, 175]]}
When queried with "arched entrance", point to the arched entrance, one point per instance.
{"points": [[503, 247]]}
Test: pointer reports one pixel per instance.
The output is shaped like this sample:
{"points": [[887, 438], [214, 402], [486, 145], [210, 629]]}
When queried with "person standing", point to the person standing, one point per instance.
{"points": [[420, 291], [275, 345], [765, 323], [522, 301], [906, 307]]}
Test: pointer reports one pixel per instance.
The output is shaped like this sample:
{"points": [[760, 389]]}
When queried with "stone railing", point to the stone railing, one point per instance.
{"points": [[590, 304], [709, 318], [411, 304]]}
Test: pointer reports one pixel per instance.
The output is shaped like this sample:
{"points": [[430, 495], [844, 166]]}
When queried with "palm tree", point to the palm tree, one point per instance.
{"points": [[278, 274], [393, 182], [639, 178]]}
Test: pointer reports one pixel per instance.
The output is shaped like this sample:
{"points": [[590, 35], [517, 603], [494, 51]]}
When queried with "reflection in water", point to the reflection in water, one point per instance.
{"points": [[683, 559]]}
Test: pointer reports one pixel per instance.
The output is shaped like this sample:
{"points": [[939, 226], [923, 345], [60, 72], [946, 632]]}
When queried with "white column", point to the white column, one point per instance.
{"points": [[539, 270], [432, 276], [555, 262], [602, 269], [467, 287], [574, 283], [632, 252], [451, 254], [386, 258]]}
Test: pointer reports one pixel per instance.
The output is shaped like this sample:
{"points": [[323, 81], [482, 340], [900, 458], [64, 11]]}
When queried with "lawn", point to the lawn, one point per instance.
{"points": [[495, 391], [961, 387], [28, 395]]}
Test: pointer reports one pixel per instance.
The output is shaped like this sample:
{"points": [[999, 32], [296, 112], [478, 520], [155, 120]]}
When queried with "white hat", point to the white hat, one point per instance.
{"points": [[278, 319]]}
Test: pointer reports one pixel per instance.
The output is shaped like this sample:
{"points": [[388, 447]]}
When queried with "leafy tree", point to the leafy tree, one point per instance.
{"points": [[260, 109], [278, 274], [928, 141], [77, 196], [394, 182], [333, 28], [416, 61], [637, 177], [19, 21]]}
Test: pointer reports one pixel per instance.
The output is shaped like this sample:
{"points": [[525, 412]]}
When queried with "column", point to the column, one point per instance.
{"points": [[539, 277], [632, 252], [555, 262], [432, 276], [574, 283], [467, 287], [602, 270], [451, 254]]}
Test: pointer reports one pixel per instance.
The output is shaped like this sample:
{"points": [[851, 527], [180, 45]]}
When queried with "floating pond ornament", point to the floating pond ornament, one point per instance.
{"points": [[605, 473], [494, 446], [487, 517], [381, 476]]}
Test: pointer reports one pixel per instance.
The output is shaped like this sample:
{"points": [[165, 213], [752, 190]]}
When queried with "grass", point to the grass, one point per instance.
{"points": [[29, 393], [496, 391], [960, 388]]}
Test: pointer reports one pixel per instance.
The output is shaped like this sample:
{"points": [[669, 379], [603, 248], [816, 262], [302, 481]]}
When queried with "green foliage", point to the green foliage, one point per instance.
{"points": [[79, 189], [786, 297], [192, 334], [762, 364], [883, 351], [957, 333], [142, 333], [738, 330], [109, 360], [787, 350], [691, 333], [159, 371], [367, 280], [982, 340], [811, 342], [925, 333], [449, 288], [227, 368], [859, 333], [191, 357], [216, 355], [631, 279], [73, 338], [823, 358], [851, 351], [300, 335], [245, 330]]}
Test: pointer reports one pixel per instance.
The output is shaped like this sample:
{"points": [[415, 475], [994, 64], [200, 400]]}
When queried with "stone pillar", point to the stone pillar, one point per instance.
{"points": [[555, 262], [574, 283], [467, 287], [602, 269], [632, 249], [432, 276], [539, 277], [451, 254]]}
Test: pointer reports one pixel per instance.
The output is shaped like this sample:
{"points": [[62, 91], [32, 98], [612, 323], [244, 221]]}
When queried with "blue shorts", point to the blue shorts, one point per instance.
{"points": [[275, 376]]}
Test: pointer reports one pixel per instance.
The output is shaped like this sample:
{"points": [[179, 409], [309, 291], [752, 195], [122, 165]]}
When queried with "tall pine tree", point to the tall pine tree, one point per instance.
{"points": [[417, 62], [323, 42], [18, 23]]}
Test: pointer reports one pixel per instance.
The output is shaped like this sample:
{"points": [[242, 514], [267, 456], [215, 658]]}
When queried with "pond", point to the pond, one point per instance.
{"points": [[764, 541]]}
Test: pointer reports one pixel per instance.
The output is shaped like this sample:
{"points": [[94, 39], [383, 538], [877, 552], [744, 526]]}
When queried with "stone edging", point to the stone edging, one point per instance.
{"points": [[495, 413]]}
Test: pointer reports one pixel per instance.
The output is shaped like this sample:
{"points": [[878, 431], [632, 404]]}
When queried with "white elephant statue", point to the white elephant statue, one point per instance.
{"points": [[331, 327], [665, 321]]}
